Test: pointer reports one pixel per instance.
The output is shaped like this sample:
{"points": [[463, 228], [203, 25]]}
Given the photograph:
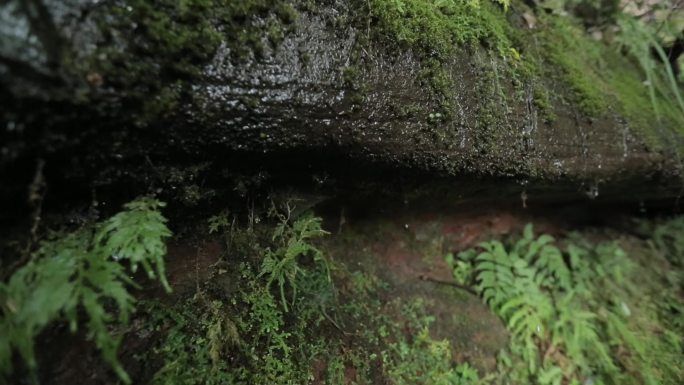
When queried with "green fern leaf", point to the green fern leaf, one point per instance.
{"points": [[550, 376], [282, 265], [82, 271]]}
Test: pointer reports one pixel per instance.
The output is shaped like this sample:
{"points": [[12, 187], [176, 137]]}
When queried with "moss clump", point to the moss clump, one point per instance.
{"points": [[633, 95], [438, 27], [603, 80], [579, 59], [351, 78], [543, 103], [436, 30]]}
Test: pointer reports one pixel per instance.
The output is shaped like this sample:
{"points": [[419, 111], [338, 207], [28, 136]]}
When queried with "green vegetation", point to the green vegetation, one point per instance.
{"points": [[251, 333], [632, 78], [641, 41], [269, 313], [425, 361], [443, 26], [575, 312], [194, 343], [436, 30], [580, 62], [601, 77], [282, 265], [256, 331], [83, 271]]}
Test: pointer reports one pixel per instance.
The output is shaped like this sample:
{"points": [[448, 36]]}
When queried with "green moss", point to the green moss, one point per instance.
{"points": [[275, 32], [442, 26], [578, 58], [435, 31], [178, 30], [633, 95], [603, 81], [408, 111], [250, 102], [493, 131], [543, 103], [351, 77], [286, 13]]}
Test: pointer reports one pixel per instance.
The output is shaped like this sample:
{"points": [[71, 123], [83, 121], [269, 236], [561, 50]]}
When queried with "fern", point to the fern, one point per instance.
{"points": [[552, 375], [282, 265], [82, 270], [667, 237], [513, 289], [137, 235], [557, 329], [578, 332], [582, 275]]}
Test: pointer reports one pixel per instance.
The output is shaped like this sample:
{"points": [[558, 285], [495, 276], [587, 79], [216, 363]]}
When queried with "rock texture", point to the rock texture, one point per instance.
{"points": [[127, 97]]}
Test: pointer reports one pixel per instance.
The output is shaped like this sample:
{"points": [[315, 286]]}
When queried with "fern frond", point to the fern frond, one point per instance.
{"points": [[137, 235], [82, 271], [282, 265], [551, 260], [552, 375], [578, 331]]}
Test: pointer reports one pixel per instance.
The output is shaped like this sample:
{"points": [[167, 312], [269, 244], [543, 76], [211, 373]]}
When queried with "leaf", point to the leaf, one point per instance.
{"points": [[78, 271], [550, 376], [282, 265]]}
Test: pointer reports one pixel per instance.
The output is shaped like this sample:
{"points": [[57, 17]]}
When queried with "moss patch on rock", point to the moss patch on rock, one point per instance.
{"points": [[604, 81], [577, 58], [436, 31]]}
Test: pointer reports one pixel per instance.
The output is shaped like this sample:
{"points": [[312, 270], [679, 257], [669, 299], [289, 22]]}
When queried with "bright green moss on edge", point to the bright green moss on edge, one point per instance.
{"points": [[575, 56], [437, 30], [439, 27], [602, 80]]}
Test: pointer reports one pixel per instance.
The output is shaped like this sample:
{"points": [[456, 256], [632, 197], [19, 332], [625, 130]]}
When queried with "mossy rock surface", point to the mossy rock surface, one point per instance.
{"points": [[110, 92]]}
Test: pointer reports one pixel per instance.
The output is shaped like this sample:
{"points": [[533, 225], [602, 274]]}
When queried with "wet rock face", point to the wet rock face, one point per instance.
{"points": [[114, 93]]}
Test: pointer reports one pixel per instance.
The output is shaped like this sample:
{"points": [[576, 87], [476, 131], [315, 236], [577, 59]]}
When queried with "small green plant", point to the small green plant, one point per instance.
{"points": [[195, 343], [219, 223], [283, 265], [426, 362], [421, 360], [261, 335], [84, 271], [245, 340], [669, 238]]}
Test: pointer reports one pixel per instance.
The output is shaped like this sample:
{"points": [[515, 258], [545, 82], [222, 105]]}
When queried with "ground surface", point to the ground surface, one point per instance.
{"points": [[389, 277]]}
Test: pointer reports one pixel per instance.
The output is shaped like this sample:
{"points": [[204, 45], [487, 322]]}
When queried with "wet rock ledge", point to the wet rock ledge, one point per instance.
{"points": [[194, 99]]}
